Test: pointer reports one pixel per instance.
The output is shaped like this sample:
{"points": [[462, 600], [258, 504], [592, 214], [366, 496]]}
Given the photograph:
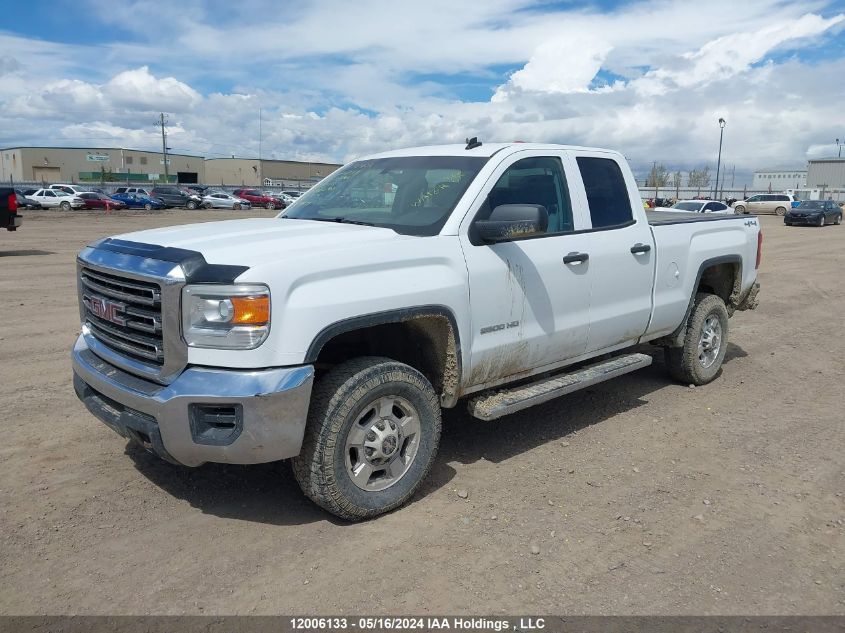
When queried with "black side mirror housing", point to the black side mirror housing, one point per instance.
{"points": [[512, 221]]}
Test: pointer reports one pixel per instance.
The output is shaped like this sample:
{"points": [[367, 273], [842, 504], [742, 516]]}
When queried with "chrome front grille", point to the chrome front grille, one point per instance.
{"points": [[124, 314]]}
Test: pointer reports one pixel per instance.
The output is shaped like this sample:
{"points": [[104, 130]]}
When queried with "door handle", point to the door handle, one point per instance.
{"points": [[575, 257], [638, 248]]}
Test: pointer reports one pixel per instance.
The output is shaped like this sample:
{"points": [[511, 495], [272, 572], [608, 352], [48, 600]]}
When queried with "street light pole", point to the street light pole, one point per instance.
{"points": [[839, 145], [722, 124]]}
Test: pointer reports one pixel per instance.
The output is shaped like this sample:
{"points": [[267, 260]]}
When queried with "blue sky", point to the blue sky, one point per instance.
{"points": [[335, 80]]}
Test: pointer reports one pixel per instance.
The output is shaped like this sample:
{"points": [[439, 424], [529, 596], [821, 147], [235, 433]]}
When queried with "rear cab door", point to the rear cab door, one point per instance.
{"points": [[621, 249]]}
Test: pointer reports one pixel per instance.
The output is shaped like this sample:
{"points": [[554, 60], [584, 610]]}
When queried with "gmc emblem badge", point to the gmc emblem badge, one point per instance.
{"points": [[104, 309]]}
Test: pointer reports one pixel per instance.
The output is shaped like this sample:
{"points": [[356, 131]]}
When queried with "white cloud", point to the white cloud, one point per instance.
{"points": [[561, 66]]}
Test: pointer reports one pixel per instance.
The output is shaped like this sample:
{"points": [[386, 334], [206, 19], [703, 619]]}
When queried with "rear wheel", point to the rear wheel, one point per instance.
{"points": [[821, 220], [838, 219], [371, 439], [781, 210], [706, 340]]}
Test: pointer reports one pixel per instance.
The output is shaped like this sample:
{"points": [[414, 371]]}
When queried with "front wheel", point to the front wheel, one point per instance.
{"points": [[706, 340], [191, 205], [271, 206], [821, 220], [781, 210], [371, 439], [838, 219], [64, 206], [148, 207], [236, 206], [740, 209]]}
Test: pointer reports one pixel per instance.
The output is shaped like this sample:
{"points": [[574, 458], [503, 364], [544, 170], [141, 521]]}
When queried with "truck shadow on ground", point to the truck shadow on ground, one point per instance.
{"points": [[268, 493], [25, 253]]}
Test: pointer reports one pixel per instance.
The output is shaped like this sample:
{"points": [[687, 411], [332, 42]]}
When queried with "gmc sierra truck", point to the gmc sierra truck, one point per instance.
{"points": [[9, 203], [497, 275]]}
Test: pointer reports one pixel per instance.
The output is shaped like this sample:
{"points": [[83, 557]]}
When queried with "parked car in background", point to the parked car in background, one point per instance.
{"points": [[56, 198], [139, 201], [815, 213], [258, 199], [71, 189], [278, 197], [95, 200], [223, 200], [201, 190], [9, 218], [293, 193], [141, 191], [177, 197], [24, 201], [698, 206], [778, 203]]}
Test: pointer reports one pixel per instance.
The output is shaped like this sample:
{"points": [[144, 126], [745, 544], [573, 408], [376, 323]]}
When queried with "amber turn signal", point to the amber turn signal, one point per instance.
{"points": [[251, 310]]}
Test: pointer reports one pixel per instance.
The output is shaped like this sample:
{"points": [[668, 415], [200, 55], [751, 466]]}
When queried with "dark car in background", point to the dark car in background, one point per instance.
{"points": [[139, 201], [94, 200], [25, 202], [9, 218], [814, 213], [177, 197]]}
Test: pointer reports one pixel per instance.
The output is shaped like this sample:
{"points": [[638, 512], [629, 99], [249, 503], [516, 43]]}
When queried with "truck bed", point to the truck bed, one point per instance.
{"points": [[681, 217]]}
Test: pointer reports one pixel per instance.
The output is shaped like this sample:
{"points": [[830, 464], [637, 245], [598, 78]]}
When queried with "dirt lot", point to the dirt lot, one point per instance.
{"points": [[643, 496]]}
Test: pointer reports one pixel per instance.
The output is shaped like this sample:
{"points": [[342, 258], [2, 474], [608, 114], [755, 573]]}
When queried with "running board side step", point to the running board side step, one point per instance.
{"points": [[506, 401]]}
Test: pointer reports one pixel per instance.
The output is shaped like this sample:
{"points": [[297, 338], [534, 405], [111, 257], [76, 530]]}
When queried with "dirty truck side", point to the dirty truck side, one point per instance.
{"points": [[497, 276]]}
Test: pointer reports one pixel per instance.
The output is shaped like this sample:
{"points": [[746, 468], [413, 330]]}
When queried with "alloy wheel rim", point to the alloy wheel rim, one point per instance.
{"points": [[382, 443], [710, 341]]}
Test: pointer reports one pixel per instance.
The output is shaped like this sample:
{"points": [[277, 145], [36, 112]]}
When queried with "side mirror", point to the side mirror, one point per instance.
{"points": [[511, 221]]}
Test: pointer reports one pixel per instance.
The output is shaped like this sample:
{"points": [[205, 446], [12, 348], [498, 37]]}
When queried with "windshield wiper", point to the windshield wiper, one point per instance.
{"points": [[340, 221]]}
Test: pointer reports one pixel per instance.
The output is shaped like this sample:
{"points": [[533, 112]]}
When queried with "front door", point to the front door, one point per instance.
{"points": [[529, 308]]}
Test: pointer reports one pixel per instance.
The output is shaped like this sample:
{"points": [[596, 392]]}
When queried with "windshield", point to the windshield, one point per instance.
{"points": [[412, 195], [687, 206], [811, 204]]}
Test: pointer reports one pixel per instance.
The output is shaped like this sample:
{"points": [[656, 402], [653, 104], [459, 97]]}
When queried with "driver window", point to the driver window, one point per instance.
{"points": [[538, 180]]}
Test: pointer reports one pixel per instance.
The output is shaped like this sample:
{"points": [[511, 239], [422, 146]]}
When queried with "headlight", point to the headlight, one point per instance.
{"points": [[226, 317]]}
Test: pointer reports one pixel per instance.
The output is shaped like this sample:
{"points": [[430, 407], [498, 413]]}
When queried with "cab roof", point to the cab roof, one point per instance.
{"points": [[484, 151]]}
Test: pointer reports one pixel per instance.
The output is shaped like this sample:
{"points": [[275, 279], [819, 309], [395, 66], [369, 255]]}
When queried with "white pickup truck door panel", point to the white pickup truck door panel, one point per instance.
{"points": [[620, 246], [528, 308]]}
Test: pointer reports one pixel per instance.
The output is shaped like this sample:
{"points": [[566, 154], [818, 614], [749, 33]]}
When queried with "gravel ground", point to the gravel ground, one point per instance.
{"points": [[637, 496]]}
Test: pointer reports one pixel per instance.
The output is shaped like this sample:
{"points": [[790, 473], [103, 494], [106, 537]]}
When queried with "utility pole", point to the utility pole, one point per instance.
{"points": [[162, 121], [260, 166], [719, 160]]}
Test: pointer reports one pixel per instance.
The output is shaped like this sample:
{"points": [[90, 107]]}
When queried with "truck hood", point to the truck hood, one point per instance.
{"points": [[257, 241]]}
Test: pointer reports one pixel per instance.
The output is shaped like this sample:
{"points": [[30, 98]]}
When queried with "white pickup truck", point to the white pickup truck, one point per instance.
{"points": [[498, 275]]}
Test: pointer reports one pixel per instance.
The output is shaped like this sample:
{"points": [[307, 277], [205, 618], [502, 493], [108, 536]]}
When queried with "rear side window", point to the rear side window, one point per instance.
{"points": [[607, 195]]}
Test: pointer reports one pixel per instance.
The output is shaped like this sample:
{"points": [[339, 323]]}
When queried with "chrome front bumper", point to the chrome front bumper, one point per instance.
{"points": [[269, 409]]}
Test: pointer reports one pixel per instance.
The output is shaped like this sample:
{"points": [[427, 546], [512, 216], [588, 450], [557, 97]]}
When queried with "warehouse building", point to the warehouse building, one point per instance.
{"points": [[779, 179], [265, 173], [96, 164], [827, 173]]}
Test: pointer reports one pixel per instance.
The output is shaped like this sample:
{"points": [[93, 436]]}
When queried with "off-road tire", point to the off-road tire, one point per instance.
{"points": [[682, 362], [338, 399]]}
